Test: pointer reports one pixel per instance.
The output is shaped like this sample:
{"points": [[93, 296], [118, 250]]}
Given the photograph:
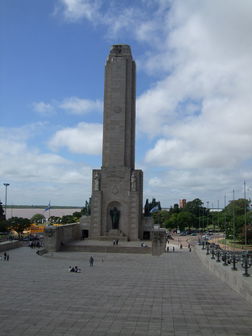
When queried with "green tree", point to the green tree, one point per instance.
{"points": [[54, 219], [3, 226], [195, 207], [2, 215], [38, 218], [186, 219], [18, 224], [234, 214], [172, 221], [67, 219]]}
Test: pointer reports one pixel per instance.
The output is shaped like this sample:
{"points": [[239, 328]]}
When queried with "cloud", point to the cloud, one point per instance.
{"points": [[43, 108], [71, 105], [34, 175], [86, 138], [74, 10], [197, 111], [200, 110], [76, 105]]}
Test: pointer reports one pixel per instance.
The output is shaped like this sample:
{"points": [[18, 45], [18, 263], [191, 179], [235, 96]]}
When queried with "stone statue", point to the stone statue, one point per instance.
{"points": [[147, 208], [96, 181], [133, 182], [115, 216]]}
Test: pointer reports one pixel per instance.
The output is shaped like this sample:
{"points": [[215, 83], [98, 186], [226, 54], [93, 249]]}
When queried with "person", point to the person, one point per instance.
{"points": [[5, 255], [173, 249], [167, 249], [91, 261], [181, 246], [77, 269]]}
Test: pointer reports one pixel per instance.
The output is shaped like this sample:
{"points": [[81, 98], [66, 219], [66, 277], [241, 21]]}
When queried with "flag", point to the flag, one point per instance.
{"points": [[155, 209], [48, 207]]}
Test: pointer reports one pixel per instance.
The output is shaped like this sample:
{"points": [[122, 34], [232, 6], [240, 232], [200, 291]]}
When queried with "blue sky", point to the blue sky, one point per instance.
{"points": [[193, 96]]}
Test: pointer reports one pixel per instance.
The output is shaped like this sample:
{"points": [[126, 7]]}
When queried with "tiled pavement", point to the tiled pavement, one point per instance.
{"points": [[125, 294]]}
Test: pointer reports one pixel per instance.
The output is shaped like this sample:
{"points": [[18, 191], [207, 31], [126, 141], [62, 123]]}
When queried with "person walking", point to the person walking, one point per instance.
{"points": [[91, 261]]}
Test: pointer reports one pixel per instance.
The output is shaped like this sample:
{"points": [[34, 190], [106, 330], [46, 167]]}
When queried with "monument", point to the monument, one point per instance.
{"points": [[117, 188]]}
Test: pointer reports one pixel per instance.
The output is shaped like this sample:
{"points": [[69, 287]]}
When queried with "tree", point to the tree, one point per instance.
{"points": [[67, 219], [195, 207], [3, 226], [186, 219], [172, 221], [2, 215], [38, 218], [160, 217], [54, 219], [18, 224], [234, 214]]}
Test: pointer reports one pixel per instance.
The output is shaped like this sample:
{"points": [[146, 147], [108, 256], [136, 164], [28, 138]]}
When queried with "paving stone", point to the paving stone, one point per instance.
{"points": [[125, 295]]}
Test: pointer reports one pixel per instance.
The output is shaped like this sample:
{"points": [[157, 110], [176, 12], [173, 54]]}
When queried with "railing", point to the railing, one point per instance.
{"points": [[239, 261]]}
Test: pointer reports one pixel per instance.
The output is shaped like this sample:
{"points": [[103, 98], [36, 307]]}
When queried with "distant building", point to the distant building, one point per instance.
{"points": [[182, 203]]}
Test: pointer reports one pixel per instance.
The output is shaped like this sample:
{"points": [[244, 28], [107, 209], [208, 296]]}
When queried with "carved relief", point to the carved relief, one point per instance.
{"points": [[97, 181], [133, 182]]}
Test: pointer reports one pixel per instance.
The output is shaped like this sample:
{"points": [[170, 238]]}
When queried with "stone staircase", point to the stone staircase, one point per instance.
{"points": [[114, 235], [106, 249]]}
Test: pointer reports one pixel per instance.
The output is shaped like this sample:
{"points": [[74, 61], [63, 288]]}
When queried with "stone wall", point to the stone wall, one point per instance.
{"points": [[58, 236], [8, 245], [234, 279]]}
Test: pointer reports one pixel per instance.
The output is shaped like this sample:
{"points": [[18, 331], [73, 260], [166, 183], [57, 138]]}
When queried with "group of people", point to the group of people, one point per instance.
{"points": [[74, 269], [35, 244], [115, 242], [168, 248], [77, 269], [5, 257]]}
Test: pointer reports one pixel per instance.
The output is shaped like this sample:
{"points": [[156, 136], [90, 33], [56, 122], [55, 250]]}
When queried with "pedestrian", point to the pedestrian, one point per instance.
{"points": [[91, 261], [190, 250], [5, 256], [167, 249], [173, 249], [181, 246]]}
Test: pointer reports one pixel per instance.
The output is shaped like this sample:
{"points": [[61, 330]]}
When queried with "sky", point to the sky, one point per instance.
{"points": [[194, 100]]}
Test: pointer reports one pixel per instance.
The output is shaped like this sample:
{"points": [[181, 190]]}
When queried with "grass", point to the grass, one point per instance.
{"points": [[235, 244]]}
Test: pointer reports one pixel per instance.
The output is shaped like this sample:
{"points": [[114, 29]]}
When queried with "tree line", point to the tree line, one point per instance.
{"points": [[231, 220]]}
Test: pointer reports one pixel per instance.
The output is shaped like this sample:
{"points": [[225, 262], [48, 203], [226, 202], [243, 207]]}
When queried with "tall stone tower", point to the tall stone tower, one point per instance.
{"points": [[117, 188]]}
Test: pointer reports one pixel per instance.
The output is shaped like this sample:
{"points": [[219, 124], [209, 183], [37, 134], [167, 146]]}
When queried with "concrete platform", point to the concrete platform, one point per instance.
{"points": [[123, 294]]}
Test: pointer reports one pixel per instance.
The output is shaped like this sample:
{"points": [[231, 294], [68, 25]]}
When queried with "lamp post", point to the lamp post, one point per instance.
{"points": [[6, 186]]}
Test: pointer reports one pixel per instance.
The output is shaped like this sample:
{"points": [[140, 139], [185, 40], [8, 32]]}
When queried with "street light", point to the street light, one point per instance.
{"points": [[6, 186]]}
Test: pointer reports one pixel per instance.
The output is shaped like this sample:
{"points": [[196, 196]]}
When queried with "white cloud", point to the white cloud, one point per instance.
{"points": [[43, 108], [72, 105], [74, 10], [201, 109], [83, 139], [198, 109], [33, 175], [77, 105]]}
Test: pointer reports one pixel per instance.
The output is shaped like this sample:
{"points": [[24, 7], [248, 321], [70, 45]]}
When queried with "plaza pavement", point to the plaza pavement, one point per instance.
{"points": [[123, 294]]}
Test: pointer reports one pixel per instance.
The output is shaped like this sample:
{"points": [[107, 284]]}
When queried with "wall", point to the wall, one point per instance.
{"points": [[57, 236], [8, 245], [234, 279]]}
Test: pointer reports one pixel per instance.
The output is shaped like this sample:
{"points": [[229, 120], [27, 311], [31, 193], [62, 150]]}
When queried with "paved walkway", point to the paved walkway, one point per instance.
{"points": [[121, 295]]}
